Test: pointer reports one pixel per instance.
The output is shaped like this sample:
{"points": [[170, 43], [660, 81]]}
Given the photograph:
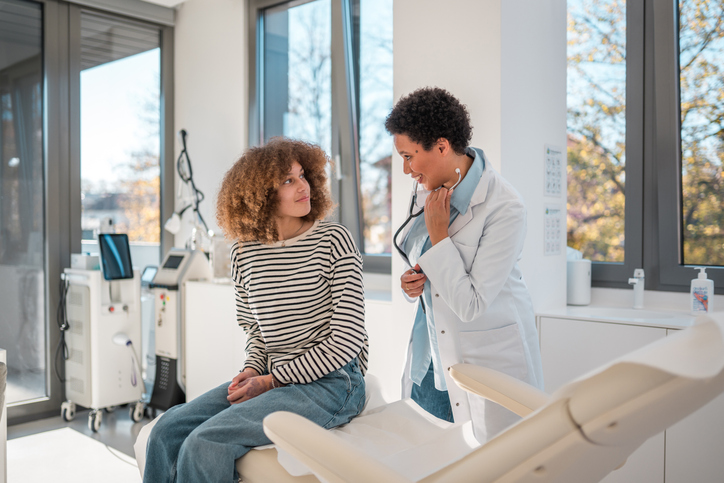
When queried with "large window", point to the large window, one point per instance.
{"points": [[645, 123], [375, 101], [701, 74], [120, 133], [297, 72], [324, 74], [597, 129]]}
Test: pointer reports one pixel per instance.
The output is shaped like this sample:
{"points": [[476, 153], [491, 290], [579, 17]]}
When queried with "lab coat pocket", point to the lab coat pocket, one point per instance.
{"points": [[500, 349]]}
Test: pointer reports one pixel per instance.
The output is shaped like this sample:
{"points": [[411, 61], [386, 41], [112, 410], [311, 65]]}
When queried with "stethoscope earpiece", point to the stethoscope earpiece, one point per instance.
{"points": [[460, 177]]}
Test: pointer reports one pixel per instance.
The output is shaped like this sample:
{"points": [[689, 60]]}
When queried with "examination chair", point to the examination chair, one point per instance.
{"points": [[579, 434]]}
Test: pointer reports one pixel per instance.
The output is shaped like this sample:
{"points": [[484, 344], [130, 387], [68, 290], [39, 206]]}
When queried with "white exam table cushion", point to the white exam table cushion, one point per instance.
{"points": [[401, 434]]}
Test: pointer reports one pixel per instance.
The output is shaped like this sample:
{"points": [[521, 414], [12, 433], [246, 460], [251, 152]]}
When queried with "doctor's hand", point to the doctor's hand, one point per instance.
{"points": [[413, 282], [437, 214], [250, 387]]}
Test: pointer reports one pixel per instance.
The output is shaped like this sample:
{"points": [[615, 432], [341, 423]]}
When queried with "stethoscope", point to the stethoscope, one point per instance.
{"points": [[411, 216]]}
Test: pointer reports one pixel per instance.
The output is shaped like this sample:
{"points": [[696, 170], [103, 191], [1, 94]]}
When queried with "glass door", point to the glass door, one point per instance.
{"points": [[22, 201], [297, 72]]}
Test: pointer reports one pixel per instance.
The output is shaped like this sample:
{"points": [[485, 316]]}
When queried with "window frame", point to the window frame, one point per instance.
{"points": [[666, 162], [610, 274], [345, 153], [654, 240]]}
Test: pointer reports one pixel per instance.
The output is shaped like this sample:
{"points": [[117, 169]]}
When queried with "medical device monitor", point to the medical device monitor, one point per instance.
{"points": [[173, 262], [115, 256], [147, 276]]}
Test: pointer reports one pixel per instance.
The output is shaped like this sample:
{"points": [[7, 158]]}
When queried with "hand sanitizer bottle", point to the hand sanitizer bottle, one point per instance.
{"points": [[702, 293]]}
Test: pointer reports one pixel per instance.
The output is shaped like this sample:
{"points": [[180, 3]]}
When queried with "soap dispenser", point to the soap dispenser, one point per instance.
{"points": [[702, 293]]}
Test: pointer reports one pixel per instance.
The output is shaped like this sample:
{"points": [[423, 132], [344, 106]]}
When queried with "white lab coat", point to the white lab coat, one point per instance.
{"points": [[481, 305]]}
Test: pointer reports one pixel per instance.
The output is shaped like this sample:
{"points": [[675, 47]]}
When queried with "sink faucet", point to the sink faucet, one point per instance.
{"points": [[638, 285]]}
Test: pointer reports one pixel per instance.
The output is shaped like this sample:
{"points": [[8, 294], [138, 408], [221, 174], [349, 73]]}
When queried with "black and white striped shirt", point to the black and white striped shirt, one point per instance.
{"points": [[301, 303]]}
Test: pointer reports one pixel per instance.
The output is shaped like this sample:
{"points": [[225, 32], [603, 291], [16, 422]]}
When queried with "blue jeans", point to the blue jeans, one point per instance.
{"points": [[200, 440], [430, 399]]}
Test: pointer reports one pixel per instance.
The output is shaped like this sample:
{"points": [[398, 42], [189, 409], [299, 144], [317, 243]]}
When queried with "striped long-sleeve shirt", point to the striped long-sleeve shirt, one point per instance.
{"points": [[301, 303]]}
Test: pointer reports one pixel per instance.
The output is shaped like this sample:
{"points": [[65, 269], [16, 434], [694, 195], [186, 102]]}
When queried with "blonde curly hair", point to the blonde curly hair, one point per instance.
{"points": [[246, 205]]}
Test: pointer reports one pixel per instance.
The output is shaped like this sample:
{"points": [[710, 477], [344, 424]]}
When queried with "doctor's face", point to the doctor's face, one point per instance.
{"points": [[427, 167]]}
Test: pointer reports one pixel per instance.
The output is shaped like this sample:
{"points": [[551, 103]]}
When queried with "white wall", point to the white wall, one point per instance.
{"points": [[533, 114], [211, 94]]}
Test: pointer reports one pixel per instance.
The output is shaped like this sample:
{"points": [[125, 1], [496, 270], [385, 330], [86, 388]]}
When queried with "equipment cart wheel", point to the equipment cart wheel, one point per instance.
{"points": [[95, 418], [136, 411], [150, 413], [110, 409], [67, 410]]}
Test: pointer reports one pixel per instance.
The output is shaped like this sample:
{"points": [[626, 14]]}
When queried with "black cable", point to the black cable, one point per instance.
{"points": [[186, 173], [61, 318]]}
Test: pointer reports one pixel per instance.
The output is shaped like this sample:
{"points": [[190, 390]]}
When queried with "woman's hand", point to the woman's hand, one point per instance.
{"points": [[240, 377], [413, 282], [437, 214], [249, 387]]}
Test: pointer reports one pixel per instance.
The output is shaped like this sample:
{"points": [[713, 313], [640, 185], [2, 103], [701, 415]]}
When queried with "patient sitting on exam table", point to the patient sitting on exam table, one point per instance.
{"points": [[300, 300]]}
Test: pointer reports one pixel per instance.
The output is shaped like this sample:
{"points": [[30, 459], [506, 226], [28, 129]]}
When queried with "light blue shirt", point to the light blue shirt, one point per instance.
{"points": [[417, 242]]}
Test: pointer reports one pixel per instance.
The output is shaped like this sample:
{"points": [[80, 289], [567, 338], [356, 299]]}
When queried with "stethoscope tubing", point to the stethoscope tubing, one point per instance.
{"points": [[412, 215], [413, 202]]}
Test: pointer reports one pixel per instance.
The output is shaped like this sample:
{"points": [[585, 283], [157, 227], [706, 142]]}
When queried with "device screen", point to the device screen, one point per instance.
{"points": [[173, 261], [148, 273], [115, 256]]}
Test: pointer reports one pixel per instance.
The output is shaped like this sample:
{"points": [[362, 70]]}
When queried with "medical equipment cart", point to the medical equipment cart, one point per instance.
{"points": [[168, 287], [102, 370]]}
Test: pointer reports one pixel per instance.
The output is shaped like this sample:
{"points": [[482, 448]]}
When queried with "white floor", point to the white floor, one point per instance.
{"points": [[72, 455], [67, 456]]}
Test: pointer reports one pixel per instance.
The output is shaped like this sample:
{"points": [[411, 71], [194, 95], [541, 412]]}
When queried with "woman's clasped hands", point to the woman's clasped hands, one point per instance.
{"points": [[248, 384]]}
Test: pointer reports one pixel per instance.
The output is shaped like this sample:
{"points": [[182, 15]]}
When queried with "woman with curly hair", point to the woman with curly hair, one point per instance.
{"points": [[300, 300], [461, 261]]}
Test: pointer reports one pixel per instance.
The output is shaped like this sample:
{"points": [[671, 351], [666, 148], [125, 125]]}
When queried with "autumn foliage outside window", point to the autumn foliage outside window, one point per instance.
{"points": [[701, 63], [597, 129]]}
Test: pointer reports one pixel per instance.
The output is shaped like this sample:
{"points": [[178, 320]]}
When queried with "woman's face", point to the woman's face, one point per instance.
{"points": [[427, 167], [293, 194]]}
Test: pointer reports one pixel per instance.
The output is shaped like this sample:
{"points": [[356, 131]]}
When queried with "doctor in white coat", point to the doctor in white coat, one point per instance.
{"points": [[462, 257]]}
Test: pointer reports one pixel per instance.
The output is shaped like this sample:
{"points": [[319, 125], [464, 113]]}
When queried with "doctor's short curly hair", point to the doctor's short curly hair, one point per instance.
{"points": [[428, 114], [246, 205]]}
